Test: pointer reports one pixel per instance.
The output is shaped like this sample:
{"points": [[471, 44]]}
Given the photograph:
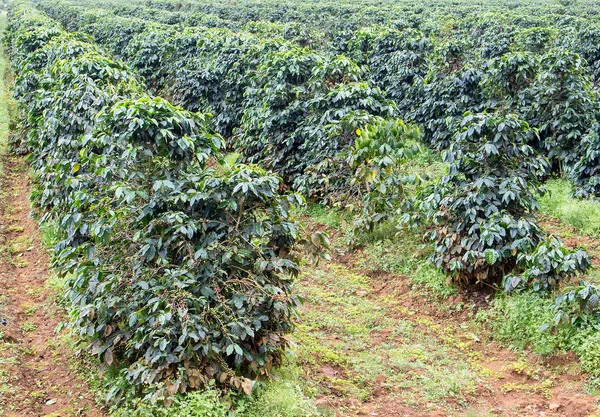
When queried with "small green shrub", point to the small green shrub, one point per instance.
{"points": [[579, 306], [527, 321], [377, 157], [548, 265], [206, 403], [482, 210], [586, 345], [282, 399]]}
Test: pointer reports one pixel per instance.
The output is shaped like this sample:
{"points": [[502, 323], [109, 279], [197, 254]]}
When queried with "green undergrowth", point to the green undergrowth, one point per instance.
{"points": [[405, 254], [584, 215], [327, 216], [525, 322], [521, 321], [286, 395], [386, 249], [282, 396], [355, 342], [426, 163]]}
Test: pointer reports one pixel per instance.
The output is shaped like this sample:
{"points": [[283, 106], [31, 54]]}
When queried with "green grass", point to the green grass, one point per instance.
{"points": [[584, 215], [50, 234], [388, 249], [330, 217], [416, 359], [521, 320], [426, 163], [404, 253]]}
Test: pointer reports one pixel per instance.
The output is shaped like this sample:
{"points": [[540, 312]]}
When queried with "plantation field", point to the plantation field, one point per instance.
{"points": [[275, 208]]}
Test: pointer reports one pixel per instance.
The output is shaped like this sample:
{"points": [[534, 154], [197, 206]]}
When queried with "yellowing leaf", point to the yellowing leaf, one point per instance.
{"points": [[247, 385], [370, 177]]}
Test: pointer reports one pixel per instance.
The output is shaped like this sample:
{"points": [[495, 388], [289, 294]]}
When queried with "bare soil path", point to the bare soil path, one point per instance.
{"points": [[36, 375], [375, 347]]}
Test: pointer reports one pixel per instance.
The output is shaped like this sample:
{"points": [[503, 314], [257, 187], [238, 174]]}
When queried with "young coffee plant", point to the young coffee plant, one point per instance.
{"points": [[377, 157], [579, 306]]}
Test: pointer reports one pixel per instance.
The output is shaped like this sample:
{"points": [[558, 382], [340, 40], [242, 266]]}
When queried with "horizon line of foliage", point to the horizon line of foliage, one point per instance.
{"points": [[178, 260]]}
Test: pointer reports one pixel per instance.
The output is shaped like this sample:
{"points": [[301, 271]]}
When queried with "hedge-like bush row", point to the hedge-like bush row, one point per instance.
{"points": [[177, 259], [328, 22]]}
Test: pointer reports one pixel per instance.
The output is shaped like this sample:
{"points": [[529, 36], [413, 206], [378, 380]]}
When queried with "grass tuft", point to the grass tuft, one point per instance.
{"points": [[584, 215]]}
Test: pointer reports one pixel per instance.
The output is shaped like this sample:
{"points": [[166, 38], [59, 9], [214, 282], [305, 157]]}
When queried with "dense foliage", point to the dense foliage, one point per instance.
{"points": [[287, 107], [485, 203], [482, 211], [177, 258], [293, 97], [425, 61]]}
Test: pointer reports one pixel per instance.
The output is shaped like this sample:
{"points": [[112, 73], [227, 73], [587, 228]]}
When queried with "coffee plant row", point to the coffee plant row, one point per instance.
{"points": [[434, 63], [297, 110], [177, 258], [322, 107], [293, 110]]}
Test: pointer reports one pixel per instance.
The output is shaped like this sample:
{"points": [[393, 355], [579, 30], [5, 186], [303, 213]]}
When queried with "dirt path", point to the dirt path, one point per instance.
{"points": [[375, 347], [36, 378]]}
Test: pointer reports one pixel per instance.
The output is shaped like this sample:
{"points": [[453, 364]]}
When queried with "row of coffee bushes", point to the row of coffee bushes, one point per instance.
{"points": [[517, 64], [546, 83], [291, 109], [497, 32], [313, 118], [331, 17], [301, 111], [177, 260]]}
